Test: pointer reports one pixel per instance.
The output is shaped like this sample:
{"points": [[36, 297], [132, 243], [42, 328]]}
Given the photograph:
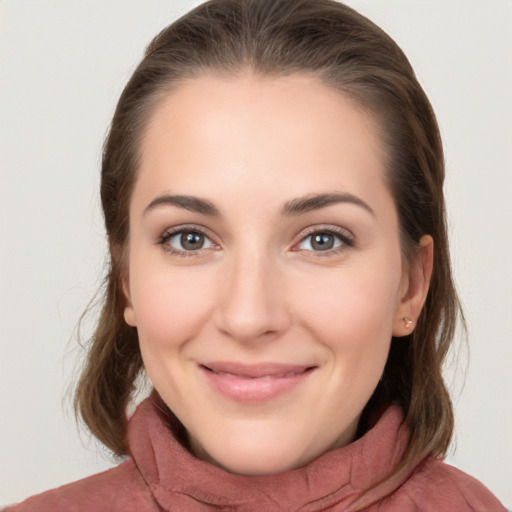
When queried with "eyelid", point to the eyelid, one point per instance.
{"points": [[347, 238], [168, 233]]}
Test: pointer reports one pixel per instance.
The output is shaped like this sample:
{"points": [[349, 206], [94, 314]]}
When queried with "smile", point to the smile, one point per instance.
{"points": [[254, 383]]}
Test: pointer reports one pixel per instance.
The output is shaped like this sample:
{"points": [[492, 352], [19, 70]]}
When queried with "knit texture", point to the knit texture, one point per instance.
{"points": [[162, 475]]}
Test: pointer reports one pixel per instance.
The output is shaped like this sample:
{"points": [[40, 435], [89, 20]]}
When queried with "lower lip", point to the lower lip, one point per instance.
{"points": [[254, 390]]}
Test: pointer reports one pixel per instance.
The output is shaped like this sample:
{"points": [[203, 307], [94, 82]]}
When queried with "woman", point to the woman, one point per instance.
{"points": [[272, 191]]}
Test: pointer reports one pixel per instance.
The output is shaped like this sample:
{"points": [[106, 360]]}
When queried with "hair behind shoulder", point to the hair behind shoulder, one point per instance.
{"points": [[351, 54]]}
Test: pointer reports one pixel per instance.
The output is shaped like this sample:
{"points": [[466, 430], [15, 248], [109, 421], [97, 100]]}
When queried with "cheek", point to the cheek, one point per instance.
{"points": [[351, 310], [352, 317], [170, 307]]}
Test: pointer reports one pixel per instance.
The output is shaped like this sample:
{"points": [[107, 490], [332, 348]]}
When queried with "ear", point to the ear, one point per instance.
{"points": [[129, 312], [414, 289]]}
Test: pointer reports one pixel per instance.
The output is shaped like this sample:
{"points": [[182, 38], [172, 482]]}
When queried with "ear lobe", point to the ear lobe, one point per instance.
{"points": [[129, 312], [417, 285]]}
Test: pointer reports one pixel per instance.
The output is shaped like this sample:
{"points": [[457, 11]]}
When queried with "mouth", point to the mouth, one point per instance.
{"points": [[254, 383]]}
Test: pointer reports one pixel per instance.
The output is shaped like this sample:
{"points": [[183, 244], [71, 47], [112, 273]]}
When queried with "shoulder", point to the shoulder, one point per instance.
{"points": [[118, 489], [435, 486]]}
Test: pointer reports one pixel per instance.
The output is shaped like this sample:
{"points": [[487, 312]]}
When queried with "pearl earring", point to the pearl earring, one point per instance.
{"points": [[408, 322]]}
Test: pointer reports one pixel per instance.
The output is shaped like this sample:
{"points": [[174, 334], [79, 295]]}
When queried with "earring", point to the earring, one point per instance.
{"points": [[408, 322]]}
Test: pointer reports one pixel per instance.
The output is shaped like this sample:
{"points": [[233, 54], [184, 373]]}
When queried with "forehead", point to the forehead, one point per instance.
{"points": [[252, 131], [293, 103]]}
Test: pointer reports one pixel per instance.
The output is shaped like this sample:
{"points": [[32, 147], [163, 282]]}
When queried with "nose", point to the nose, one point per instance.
{"points": [[253, 305]]}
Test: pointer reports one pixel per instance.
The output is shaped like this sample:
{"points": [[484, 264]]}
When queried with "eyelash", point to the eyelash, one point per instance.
{"points": [[347, 241], [168, 235]]}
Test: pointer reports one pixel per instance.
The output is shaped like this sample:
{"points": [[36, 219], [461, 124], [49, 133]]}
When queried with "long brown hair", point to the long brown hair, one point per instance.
{"points": [[351, 54]]}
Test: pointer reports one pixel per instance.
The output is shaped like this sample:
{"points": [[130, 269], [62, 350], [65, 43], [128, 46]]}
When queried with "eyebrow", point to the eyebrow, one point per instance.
{"points": [[316, 201], [294, 207], [191, 203]]}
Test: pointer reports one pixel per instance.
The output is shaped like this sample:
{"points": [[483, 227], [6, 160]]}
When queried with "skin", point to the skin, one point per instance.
{"points": [[258, 290]]}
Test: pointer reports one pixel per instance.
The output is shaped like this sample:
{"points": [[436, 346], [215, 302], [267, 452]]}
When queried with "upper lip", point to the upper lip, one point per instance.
{"points": [[253, 371]]}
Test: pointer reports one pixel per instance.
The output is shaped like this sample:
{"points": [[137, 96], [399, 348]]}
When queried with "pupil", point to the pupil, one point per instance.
{"points": [[322, 242], [192, 241]]}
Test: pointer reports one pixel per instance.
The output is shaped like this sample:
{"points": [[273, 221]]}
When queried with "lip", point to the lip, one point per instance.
{"points": [[255, 382]]}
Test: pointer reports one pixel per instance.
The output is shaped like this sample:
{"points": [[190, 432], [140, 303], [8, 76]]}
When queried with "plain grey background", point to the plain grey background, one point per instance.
{"points": [[63, 64]]}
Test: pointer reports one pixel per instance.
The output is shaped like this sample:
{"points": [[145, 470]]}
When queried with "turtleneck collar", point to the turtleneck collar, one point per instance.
{"points": [[338, 480]]}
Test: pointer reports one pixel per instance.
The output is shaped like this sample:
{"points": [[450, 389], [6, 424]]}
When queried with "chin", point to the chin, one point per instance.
{"points": [[258, 467], [253, 460]]}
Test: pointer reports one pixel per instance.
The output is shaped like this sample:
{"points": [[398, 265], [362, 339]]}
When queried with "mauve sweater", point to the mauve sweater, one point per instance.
{"points": [[162, 475]]}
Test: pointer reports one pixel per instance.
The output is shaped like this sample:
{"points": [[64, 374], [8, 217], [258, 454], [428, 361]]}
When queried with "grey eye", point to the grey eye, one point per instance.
{"points": [[320, 242], [189, 241]]}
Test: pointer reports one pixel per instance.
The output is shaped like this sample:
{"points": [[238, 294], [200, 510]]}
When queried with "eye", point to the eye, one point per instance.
{"points": [[324, 241], [186, 241]]}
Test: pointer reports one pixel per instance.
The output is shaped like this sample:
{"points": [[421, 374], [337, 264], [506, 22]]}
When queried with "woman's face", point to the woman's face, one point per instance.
{"points": [[265, 275]]}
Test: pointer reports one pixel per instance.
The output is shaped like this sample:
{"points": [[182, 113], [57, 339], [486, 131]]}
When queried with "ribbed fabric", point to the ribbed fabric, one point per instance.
{"points": [[162, 475]]}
